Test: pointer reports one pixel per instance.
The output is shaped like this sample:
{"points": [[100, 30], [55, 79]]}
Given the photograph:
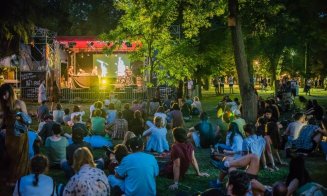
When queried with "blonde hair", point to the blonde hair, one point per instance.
{"points": [[158, 121], [128, 135], [196, 98], [82, 156]]}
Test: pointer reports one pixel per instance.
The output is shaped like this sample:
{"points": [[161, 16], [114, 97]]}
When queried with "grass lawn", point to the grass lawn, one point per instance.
{"points": [[316, 165]]}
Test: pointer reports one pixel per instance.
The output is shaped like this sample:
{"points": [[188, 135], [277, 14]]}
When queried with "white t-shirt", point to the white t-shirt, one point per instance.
{"points": [[190, 84]]}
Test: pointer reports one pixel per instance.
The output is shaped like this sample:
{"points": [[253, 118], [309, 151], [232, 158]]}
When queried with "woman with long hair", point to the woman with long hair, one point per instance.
{"points": [[88, 180], [36, 182], [16, 146]]}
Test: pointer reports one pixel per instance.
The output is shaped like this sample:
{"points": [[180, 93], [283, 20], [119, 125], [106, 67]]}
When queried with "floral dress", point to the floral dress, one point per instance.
{"points": [[88, 181]]}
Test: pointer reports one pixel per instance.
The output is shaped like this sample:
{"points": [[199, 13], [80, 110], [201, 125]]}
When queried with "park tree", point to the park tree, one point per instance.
{"points": [[147, 22]]}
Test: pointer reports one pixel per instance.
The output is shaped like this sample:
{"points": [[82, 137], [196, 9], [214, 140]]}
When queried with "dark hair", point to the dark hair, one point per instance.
{"points": [[203, 116], [180, 134], [240, 182], [111, 106], [135, 144], [119, 114], [268, 111], [43, 102], [98, 104], [127, 106], [120, 151], [249, 128], [66, 111], [315, 102], [233, 127], [297, 170], [76, 108], [77, 134], [58, 107], [175, 106], [161, 109], [279, 189], [39, 164], [298, 115], [56, 128], [97, 112]]}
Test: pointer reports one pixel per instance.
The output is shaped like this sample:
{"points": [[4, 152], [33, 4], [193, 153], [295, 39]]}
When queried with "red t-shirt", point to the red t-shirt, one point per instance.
{"points": [[183, 151]]}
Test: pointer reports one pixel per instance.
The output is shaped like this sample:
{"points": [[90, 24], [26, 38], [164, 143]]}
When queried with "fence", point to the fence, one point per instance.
{"points": [[89, 95]]}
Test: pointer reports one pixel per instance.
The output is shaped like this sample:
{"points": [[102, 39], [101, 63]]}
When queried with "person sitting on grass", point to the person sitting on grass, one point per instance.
{"points": [[37, 182], [310, 136], [239, 120], [253, 143], [202, 134], [56, 147], [66, 118], [186, 111], [157, 137], [46, 130], [272, 138], [58, 114], [77, 138], [42, 111], [293, 129], [196, 106], [119, 127], [88, 179], [120, 151], [77, 112], [181, 157], [138, 170], [98, 123], [176, 116], [137, 125], [222, 127], [111, 113]]}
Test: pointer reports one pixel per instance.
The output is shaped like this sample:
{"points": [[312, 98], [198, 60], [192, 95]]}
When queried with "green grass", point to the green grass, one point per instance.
{"points": [[191, 183]]}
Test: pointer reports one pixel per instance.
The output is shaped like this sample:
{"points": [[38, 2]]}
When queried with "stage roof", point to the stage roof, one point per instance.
{"points": [[92, 44]]}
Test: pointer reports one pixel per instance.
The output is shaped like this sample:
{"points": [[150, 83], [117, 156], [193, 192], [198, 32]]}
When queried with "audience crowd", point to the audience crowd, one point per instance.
{"points": [[236, 148]]}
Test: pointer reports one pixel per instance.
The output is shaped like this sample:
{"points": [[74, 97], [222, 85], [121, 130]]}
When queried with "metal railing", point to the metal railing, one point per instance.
{"points": [[89, 95]]}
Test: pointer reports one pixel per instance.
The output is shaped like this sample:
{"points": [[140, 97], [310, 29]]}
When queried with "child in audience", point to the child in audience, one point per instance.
{"points": [[37, 182], [58, 114]]}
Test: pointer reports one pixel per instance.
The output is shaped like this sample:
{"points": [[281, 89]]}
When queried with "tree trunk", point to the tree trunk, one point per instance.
{"points": [[249, 99]]}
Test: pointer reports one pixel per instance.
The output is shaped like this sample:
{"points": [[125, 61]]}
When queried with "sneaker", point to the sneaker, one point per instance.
{"points": [[214, 184], [219, 165]]}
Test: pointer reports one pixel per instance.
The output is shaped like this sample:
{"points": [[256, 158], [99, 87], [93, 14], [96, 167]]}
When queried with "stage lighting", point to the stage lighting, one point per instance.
{"points": [[104, 82]]}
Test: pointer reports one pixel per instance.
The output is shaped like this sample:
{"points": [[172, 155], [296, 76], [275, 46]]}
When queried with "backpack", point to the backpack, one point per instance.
{"points": [[21, 124]]}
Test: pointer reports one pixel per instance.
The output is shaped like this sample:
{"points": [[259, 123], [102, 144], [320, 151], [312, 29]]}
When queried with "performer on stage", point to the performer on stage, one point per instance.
{"points": [[104, 69], [95, 71], [70, 73]]}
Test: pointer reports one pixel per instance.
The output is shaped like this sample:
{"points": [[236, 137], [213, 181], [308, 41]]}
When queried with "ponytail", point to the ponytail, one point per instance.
{"points": [[36, 180]]}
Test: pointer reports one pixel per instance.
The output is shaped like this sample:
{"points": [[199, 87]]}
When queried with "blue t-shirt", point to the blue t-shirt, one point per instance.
{"points": [[139, 170], [31, 139], [44, 187], [254, 144]]}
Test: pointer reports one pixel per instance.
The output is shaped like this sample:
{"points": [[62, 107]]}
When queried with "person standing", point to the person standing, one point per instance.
{"points": [[16, 146], [190, 87], [222, 85], [231, 84], [54, 94], [42, 92], [216, 85]]}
